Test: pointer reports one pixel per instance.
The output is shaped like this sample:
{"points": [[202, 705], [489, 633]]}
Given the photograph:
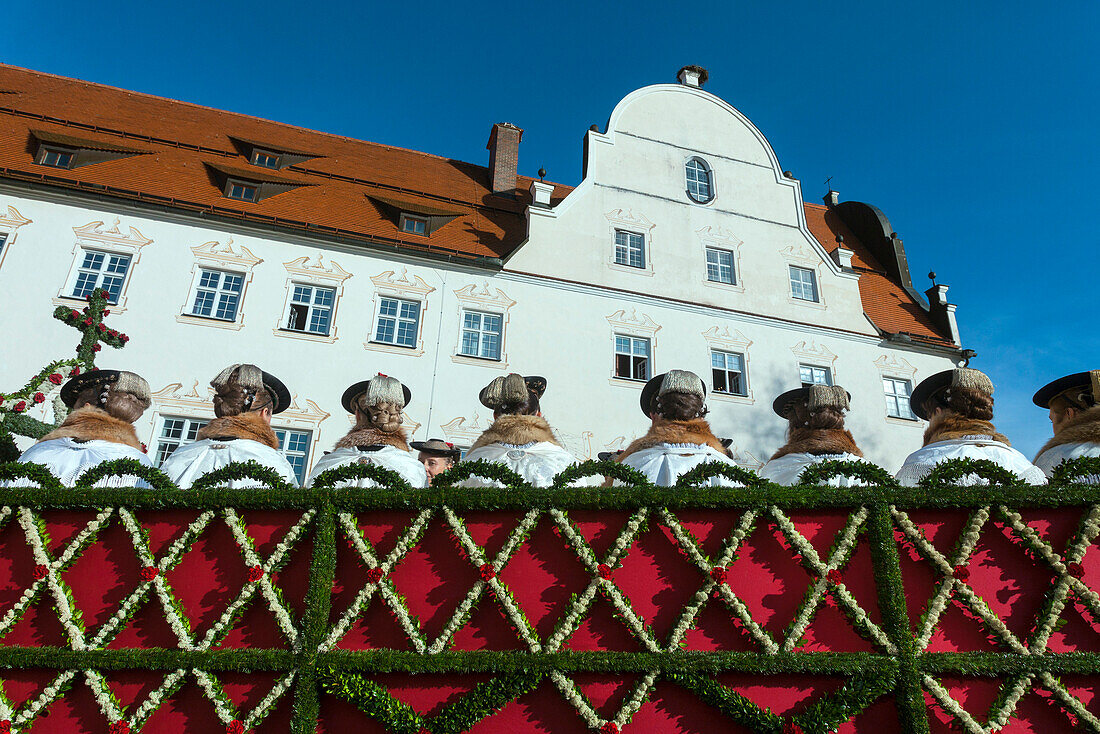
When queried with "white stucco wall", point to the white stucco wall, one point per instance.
{"points": [[562, 298]]}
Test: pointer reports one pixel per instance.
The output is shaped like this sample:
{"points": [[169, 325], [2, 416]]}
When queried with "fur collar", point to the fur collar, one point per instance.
{"points": [[94, 424], [246, 425], [696, 431], [955, 426], [1084, 428], [819, 441], [372, 437], [517, 430]]}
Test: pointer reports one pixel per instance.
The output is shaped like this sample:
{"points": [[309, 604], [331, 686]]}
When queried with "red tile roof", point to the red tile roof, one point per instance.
{"points": [[177, 145]]}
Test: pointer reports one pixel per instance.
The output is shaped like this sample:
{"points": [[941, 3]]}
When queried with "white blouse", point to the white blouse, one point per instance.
{"points": [[386, 457], [191, 461], [922, 461], [665, 463], [67, 459], [788, 468], [537, 462]]}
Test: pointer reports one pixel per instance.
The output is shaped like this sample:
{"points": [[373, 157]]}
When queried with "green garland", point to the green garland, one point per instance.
{"points": [[821, 472], [124, 468], [710, 469], [388, 478], [479, 468], [239, 470], [1082, 469], [948, 473], [628, 475], [37, 473]]}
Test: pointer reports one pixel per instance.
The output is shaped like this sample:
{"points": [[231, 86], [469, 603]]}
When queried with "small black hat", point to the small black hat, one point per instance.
{"points": [[437, 447], [608, 455], [280, 396], [362, 386], [958, 377], [122, 380], [653, 387], [827, 395], [1086, 381], [506, 389]]}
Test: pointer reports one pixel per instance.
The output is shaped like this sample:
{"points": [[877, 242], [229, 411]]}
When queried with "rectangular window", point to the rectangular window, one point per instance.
{"points": [[310, 309], [813, 375], [104, 270], [294, 445], [897, 398], [720, 266], [631, 357], [56, 157], [414, 225], [3, 241], [803, 284], [175, 432], [728, 372], [629, 248], [217, 295], [398, 322], [481, 334], [265, 159], [242, 191]]}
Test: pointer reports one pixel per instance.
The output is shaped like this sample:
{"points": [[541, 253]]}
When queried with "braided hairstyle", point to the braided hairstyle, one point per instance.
{"points": [[238, 389]]}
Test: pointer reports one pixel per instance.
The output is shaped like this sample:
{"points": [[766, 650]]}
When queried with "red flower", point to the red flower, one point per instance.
{"points": [[798, 558], [1076, 570], [604, 570], [96, 347], [112, 332], [719, 574], [119, 727], [105, 294], [74, 372], [150, 572], [610, 728], [144, 448], [102, 326], [375, 575], [39, 397], [255, 573], [962, 573], [5, 726], [40, 572], [234, 727], [74, 314], [88, 321], [19, 407], [789, 727], [56, 378], [488, 573], [833, 576], [124, 338], [106, 312]]}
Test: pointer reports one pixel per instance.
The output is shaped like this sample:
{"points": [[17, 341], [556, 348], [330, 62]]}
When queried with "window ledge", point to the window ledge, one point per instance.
{"points": [[647, 270], [731, 397], [903, 421], [802, 302], [306, 335], [628, 382], [69, 301], [186, 318], [728, 287], [416, 351], [495, 364]]}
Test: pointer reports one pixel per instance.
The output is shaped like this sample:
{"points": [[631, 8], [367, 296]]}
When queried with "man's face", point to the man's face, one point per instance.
{"points": [[435, 464]]}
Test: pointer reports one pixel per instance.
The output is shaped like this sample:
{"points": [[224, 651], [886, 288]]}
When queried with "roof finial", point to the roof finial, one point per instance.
{"points": [[932, 277], [542, 174]]}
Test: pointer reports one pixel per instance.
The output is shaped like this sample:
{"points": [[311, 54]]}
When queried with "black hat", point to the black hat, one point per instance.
{"points": [[958, 377], [252, 378], [822, 396], [280, 395], [385, 391], [506, 389], [608, 455], [1086, 381], [121, 380], [437, 447], [679, 382]]}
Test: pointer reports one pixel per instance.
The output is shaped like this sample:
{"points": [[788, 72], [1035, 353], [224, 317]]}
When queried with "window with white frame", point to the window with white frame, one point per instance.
{"points": [[720, 266], [398, 322], [814, 375], [265, 158], [97, 269], [294, 445], [629, 248], [481, 334], [414, 225], [700, 186], [310, 309], [803, 283], [56, 157], [217, 295], [728, 372], [897, 397], [632, 357], [242, 191], [175, 432]]}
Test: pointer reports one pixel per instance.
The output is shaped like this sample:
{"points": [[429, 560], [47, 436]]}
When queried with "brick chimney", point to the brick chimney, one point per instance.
{"points": [[503, 147]]}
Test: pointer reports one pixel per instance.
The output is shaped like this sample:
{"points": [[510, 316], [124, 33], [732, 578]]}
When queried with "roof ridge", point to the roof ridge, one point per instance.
{"points": [[236, 114]]}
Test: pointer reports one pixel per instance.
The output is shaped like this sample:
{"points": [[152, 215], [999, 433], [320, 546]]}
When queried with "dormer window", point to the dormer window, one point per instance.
{"points": [[414, 224], [265, 158], [56, 157], [242, 191], [700, 182]]}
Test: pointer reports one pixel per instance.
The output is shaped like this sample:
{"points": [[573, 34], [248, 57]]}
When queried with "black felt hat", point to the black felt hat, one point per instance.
{"points": [[122, 380], [653, 388], [280, 395], [506, 389], [362, 386], [782, 405], [608, 455], [958, 377], [1089, 381], [437, 447]]}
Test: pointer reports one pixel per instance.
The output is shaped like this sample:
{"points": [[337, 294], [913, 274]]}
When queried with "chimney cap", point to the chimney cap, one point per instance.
{"points": [[506, 126], [832, 198], [692, 76]]}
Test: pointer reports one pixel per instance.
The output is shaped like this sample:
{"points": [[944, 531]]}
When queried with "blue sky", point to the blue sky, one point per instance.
{"points": [[971, 125]]}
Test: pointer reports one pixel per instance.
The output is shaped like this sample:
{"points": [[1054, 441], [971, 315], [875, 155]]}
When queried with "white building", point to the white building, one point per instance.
{"points": [[224, 238]]}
